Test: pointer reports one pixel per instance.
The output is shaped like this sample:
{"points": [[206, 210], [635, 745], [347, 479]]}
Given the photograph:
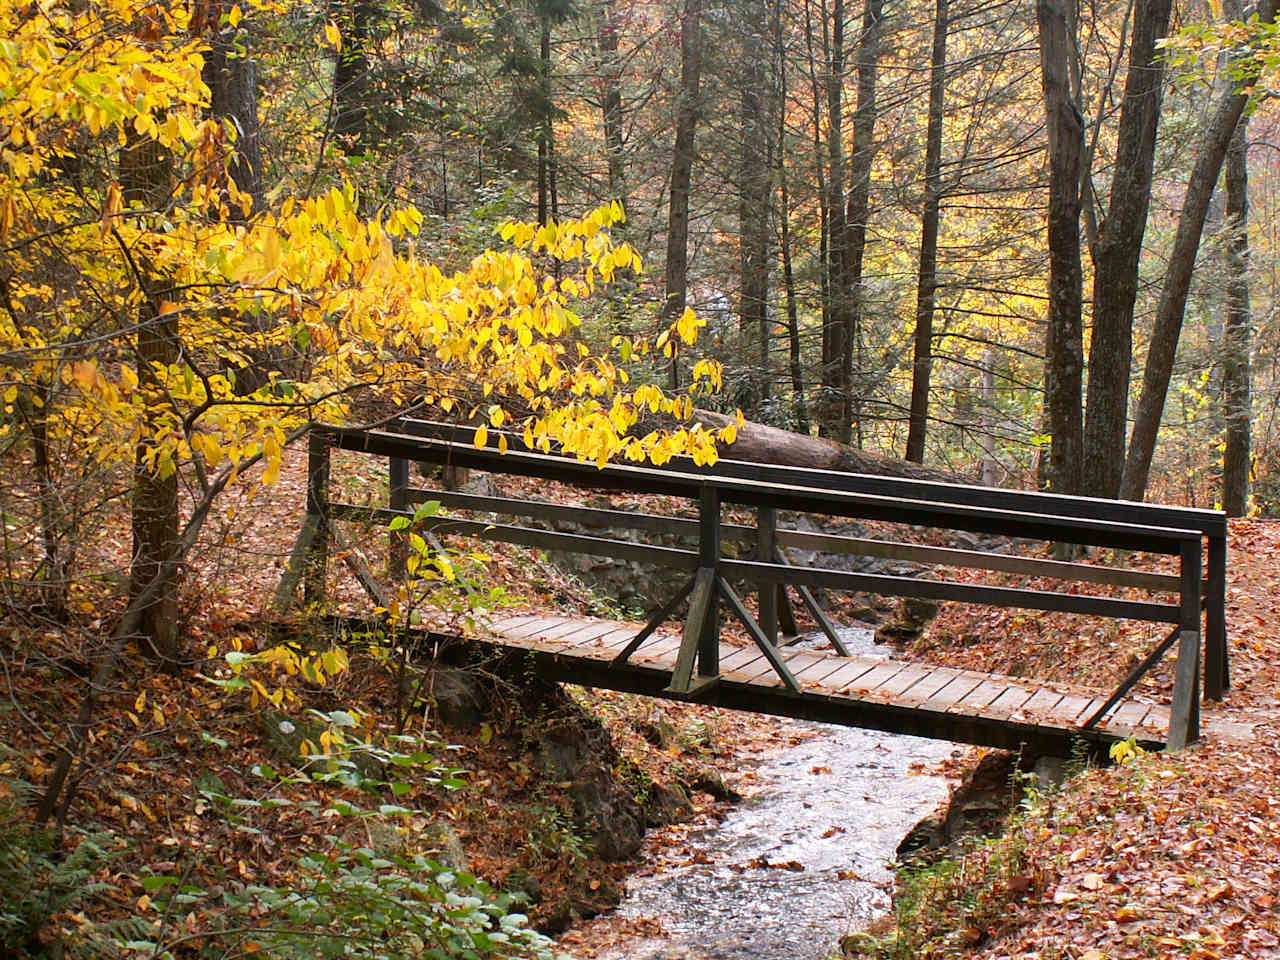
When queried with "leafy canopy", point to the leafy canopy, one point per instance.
{"points": [[330, 309]]}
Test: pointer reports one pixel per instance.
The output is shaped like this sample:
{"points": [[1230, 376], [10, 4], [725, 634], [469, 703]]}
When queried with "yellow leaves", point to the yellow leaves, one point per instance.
{"points": [[481, 438], [331, 37]]}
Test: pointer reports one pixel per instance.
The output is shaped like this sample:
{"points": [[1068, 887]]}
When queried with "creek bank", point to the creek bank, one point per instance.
{"points": [[580, 808]]}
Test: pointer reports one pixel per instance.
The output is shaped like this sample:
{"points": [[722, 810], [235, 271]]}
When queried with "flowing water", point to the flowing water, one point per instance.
{"points": [[800, 862]]}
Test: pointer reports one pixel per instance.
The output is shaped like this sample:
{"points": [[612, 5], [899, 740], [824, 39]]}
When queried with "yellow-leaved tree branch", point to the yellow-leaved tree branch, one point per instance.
{"points": [[155, 326]]}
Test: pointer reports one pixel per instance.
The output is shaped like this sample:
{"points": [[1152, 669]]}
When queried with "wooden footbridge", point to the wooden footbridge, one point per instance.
{"points": [[770, 675]]}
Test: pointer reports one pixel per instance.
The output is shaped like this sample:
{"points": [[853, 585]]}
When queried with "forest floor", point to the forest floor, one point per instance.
{"points": [[1165, 856]]}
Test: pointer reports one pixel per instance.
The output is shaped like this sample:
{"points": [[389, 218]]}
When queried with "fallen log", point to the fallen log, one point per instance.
{"points": [[760, 443]]}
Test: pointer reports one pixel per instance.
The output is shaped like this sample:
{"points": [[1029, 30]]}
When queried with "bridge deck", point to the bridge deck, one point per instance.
{"points": [[867, 691]]}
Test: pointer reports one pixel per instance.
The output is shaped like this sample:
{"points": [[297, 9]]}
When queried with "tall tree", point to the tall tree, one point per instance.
{"points": [[688, 109], [754, 190], [610, 70], [833, 419], [1064, 353], [859, 210], [1236, 367], [927, 276], [1119, 249], [1177, 282], [232, 76]]}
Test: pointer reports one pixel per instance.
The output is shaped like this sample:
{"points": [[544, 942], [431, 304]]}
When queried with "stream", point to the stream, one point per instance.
{"points": [[800, 862]]}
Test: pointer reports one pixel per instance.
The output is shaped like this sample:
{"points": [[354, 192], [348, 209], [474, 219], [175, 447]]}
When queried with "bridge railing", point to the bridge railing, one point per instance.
{"points": [[1122, 526]]}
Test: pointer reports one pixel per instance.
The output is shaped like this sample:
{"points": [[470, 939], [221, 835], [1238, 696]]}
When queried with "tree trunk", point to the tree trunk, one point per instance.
{"points": [[832, 420], [687, 113], [544, 130], [760, 443], [859, 209], [611, 107], [351, 79], [927, 278], [145, 173], [232, 77], [1236, 368], [1115, 283], [754, 193], [1177, 281], [788, 274], [1064, 351]]}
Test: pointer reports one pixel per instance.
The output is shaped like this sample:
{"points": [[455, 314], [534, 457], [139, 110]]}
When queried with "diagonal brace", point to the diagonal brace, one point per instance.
{"points": [[768, 649], [1136, 674], [654, 622]]}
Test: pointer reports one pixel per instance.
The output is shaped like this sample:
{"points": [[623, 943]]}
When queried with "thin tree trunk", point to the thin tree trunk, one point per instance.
{"points": [[1236, 367], [754, 193], [819, 170], [784, 218], [232, 77], [544, 132], [145, 172], [351, 79], [1173, 296], [1064, 352], [687, 113], [1115, 284], [832, 419], [859, 209], [611, 107], [927, 278]]}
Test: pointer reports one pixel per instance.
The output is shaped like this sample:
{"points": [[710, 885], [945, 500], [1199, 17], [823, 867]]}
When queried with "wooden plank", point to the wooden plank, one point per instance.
{"points": [[584, 638], [505, 624], [980, 697], [925, 688], [853, 668], [1041, 705], [815, 673], [959, 687], [902, 682], [1013, 698], [555, 628], [884, 670], [740, 658]]}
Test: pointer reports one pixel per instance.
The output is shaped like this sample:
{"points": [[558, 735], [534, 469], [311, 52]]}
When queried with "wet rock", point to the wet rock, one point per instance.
{"points": [[664, 805], [710, 781], [908, 622], [608, 817], [462, 698], [445, 846]]}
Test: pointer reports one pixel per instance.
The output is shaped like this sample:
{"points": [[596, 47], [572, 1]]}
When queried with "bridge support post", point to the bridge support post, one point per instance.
{"points": [[700, 642], [317, 560], [1184, 717], [1217, 677], [397, 499], [766, 549]]}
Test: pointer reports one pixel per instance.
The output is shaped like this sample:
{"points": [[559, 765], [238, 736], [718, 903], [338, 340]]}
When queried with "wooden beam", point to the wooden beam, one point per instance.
{"points": [[704, 586], [979, 560], [768, 649], [948, 590], [297, 563], [655, 621], [317, 506]]}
